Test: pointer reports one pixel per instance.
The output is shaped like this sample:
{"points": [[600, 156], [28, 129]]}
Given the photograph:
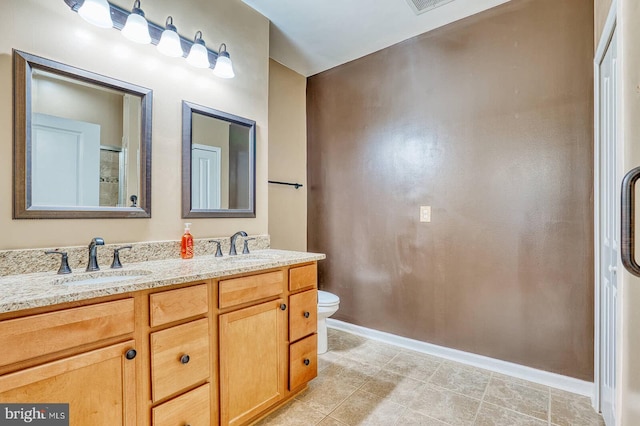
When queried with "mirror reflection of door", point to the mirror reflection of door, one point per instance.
{"points": [[72, 105], [205, 177], [65, 162]]}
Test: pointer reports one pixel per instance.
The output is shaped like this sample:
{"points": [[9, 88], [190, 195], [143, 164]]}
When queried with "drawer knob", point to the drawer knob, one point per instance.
{"points": [[283, 307], [184, 359], [306, 314], [131, 354], [306, 361]]}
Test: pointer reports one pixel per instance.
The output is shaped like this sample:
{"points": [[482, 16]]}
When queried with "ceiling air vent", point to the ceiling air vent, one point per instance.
{"points": [[421, 6]]}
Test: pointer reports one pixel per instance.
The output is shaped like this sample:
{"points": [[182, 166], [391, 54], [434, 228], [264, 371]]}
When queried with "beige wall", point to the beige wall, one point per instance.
{"points": [[287, 158], [50, 29], [601, 10], [80, 102], [629, 34]]}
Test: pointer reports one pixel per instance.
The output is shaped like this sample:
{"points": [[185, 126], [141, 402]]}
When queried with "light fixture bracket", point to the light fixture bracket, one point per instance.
{"points": [[119, 17]]}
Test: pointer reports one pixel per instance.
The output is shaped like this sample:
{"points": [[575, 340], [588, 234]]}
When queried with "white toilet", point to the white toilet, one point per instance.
{"points": [[328, 304]]}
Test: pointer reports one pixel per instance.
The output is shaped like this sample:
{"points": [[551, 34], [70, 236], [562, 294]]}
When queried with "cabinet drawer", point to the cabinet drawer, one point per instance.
{"points": [[179, 357], [193, 409], [174, 305], [303, 277], [247, 289], [303, 314], [36, 335], [303, 361]]}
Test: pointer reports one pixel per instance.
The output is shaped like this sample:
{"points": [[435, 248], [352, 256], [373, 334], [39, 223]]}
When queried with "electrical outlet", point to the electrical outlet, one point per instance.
{"points": [[425, 213]]}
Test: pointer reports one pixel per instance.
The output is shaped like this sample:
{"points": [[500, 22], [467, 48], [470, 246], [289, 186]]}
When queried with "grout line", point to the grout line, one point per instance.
{"points": [[475, 418], [549, 407]]}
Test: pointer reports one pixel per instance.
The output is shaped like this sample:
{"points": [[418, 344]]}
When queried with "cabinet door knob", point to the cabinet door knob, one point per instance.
{"points": [[131, 354], [283, 307], [184, 359], [306, 361], [306, 314]]}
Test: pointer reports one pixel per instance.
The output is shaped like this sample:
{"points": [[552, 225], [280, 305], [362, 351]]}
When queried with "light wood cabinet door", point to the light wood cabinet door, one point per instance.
{"points": [[253, 360], [99, 386]]}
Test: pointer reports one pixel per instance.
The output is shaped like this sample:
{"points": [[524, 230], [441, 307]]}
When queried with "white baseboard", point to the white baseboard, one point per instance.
{"points": [[546, 378]]}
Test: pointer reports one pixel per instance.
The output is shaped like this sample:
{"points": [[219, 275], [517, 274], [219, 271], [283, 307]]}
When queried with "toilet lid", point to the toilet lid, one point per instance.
{"points": [[326, 298]]}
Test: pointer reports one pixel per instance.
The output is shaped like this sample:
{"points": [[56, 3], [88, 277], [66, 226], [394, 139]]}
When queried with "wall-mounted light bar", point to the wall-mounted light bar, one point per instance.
{"points": [[132, 25]]}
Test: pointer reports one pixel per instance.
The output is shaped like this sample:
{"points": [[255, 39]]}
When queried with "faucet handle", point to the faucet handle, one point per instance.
{"points": [[64, 262], [116, 257], [245, 250], [218, 249]]}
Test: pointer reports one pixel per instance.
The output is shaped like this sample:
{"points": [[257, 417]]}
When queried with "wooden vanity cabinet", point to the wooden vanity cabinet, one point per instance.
{"points": [[253, 347], [181, 357], [303, 325], [206, 353], [96, 378]]}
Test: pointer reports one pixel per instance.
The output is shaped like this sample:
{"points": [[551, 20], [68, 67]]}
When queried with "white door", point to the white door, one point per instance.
{"points": [[65, 162], [609, 224], [205, 177]]}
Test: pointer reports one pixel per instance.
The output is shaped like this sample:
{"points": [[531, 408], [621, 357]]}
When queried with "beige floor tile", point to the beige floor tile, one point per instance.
{"points": [[363, 408], [394, 387], [412, 418], [526, 400], [330, 421], [351, 372], [492, 415], [469, 381], [445, 405], [327, 359], [414, 365], [340, 342], [573, 410], [520, 382], [296, 413], [373, 352], [325, 394]]}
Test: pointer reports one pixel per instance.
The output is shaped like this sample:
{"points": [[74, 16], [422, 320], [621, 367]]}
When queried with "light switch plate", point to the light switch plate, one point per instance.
{"points": [[425, 213]]}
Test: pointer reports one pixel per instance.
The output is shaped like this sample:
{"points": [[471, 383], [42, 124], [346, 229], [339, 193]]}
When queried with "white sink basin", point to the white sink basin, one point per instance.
{"points": [[101, 277]]}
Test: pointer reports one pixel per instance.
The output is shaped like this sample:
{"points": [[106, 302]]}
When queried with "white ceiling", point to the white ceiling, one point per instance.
{"points": [[310, 36]]}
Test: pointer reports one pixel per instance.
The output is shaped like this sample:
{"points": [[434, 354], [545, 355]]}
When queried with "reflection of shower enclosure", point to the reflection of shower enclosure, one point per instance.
{"points": [[112, 177]]}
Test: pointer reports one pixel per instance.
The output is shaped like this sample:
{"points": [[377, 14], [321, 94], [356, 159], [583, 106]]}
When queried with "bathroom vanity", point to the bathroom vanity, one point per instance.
{"points": [[177, 342]]}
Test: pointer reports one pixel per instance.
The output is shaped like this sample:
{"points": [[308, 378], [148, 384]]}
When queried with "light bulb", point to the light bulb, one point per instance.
{"points": [[170, 40], [224, 67], [136, 28], [198, 55], [96, 12]]}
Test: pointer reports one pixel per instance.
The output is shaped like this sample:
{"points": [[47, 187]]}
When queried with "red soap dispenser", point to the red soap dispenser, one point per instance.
{"points": [[186, 249]]}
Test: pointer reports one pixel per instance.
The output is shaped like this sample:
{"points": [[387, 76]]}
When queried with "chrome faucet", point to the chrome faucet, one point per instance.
{"points": [[232, 252], [93, 254]]}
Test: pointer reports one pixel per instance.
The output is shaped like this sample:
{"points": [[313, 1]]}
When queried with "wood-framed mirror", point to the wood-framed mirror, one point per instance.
{"points": [[218, 163], [82, 143]]}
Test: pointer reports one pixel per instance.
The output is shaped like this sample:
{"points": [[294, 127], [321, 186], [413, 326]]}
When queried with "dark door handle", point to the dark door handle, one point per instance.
{"points": [[131, 354], [184, 359], [306, 314], [283, 307], [627, 222], [306, 361]]}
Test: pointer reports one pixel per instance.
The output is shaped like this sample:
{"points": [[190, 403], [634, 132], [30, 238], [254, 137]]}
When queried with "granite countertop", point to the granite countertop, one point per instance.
{"points": [[26, 291]]}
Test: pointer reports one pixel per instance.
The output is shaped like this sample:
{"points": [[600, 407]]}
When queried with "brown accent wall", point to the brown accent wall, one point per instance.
{"points": [[489, 121]]}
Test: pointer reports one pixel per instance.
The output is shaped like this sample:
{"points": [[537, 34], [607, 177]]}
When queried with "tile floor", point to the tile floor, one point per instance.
{"points": [[365, 382]]}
